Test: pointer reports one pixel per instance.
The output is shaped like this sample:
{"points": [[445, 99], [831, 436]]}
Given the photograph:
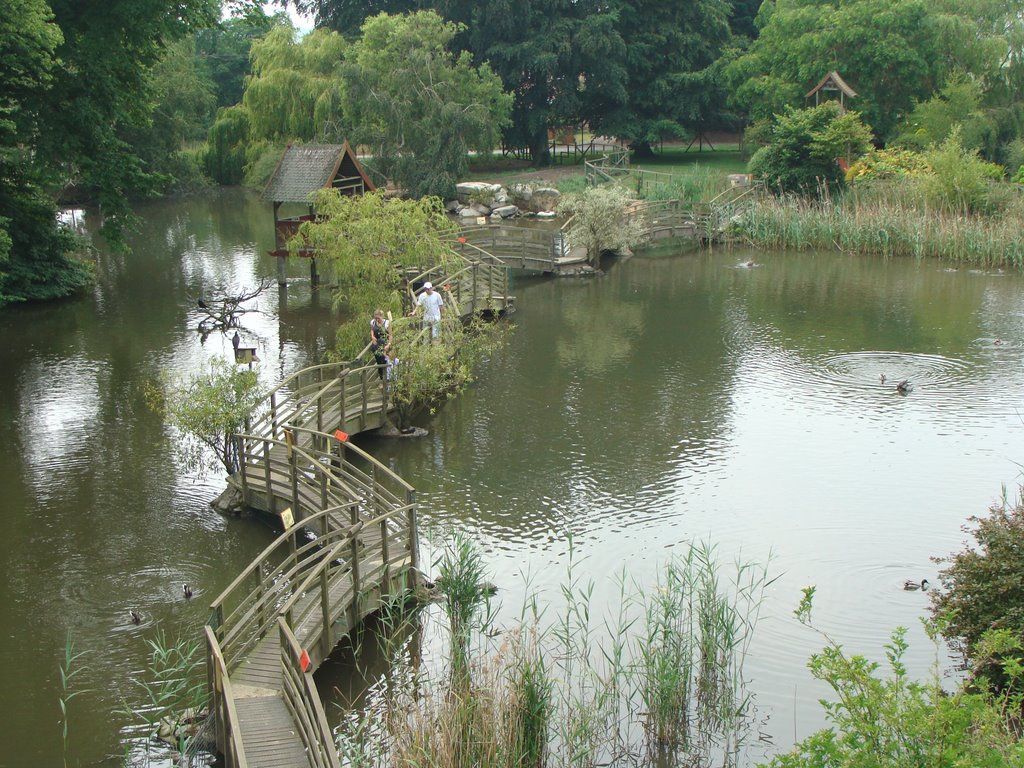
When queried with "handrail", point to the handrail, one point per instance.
{"points": [[304, 703], [223, 705]]}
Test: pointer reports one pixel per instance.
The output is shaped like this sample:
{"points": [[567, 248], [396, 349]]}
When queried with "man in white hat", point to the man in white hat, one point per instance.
{"points": [[433, 308]]}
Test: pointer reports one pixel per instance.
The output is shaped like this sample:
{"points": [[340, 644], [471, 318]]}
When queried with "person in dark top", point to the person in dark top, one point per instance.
{"points": [[380, 340]]}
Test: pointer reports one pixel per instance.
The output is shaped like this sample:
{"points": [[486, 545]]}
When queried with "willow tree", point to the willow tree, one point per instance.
{"points": [[295, 90], [365, 243], [420, 108]]}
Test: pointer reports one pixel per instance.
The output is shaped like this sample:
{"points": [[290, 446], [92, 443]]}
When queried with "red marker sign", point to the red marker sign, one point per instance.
{"points": [[341, 437], [462, 239], [304, 660]]}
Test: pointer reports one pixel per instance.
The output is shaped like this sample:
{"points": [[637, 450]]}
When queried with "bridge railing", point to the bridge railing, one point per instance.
{"points": [[222, 705], [516, 247], [329, 491], [474, 285], [303, 702]]}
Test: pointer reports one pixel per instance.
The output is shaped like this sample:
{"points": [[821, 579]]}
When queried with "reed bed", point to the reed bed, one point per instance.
{"points": [[657, 680], [885, 226]]}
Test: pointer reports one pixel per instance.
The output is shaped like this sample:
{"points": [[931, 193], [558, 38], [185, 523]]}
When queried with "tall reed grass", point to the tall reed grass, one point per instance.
{"points": [[886, 224], [658, 679]]}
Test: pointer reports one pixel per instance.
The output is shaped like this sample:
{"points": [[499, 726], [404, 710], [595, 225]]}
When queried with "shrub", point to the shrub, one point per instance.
{"points": [[891, 721], [960, 180], [983, 585], [805, 146], [885, 164]]}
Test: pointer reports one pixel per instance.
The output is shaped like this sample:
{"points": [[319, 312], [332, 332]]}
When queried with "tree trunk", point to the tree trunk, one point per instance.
{"points": [[642, 149]]}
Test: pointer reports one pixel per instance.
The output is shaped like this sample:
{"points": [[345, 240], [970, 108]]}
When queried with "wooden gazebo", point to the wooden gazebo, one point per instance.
{"points": [[301, 171], [831, 88]]}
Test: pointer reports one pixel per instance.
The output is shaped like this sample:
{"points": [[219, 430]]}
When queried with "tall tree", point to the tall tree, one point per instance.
{"points": [[670, 82], [77, 74], [887, 50], [419, 107], [223, 50]]}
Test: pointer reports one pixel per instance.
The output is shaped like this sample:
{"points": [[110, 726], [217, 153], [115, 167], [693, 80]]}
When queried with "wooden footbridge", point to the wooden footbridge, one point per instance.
{"points": [[350, 544]]}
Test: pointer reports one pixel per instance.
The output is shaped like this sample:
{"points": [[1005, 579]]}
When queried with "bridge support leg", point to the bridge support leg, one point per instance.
{"points": [[282, 270]]}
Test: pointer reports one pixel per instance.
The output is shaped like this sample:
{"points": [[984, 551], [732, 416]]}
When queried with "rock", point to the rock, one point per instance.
{"points": [[468, 213], [521, 192], [452, 206], [481, 209], [230, 502], [475, 188], [546, 214], [547, 192], [506, 211], [501, 197], [495, 217]]}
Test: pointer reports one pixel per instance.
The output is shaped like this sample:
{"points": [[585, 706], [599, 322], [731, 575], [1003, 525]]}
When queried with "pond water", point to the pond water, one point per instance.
{"points": [[681, 397]]}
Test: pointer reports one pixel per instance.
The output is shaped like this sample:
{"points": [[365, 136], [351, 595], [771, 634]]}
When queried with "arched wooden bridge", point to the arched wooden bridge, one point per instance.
{"points": [[350, 544]]}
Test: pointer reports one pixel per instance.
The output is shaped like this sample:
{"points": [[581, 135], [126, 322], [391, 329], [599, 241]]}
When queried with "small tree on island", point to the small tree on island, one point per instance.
{"points": [[207, 409], [601, 220]]}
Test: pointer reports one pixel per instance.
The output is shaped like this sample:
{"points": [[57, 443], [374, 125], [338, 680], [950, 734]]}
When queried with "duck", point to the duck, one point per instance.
{"points": [[904, 386], [187, 591], [997, 342], [881, 377], [910, 585], [135, 616]]}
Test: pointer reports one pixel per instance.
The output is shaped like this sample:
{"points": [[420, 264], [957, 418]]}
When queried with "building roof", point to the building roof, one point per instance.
{"points": [[305, 168], [836, 82]]}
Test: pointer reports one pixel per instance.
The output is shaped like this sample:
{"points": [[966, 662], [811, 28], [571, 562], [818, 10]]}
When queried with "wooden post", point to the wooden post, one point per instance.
{"points": [[273, 414], [271, 499], [242, 458], [314, 278], [293, 468], [325, 606], [354, 609], [414, 557]]}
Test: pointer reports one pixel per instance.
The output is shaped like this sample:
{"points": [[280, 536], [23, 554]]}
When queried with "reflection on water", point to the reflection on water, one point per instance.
{"points": [[676, 399]]}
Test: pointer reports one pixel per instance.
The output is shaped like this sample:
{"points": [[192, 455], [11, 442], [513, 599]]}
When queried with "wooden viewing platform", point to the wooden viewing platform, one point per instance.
{"points": [[350, 544]]}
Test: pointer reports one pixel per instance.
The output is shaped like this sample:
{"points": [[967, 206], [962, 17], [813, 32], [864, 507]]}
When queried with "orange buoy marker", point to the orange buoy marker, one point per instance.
{"points": [[304, 660], [341, 437]]}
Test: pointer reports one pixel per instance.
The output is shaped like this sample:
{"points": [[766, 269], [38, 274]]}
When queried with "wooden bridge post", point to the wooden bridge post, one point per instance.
{"points": [[271, 498], [414, 537], [366, 398], [293, 470], [476, 272], [356, 586], [273, 414], [326, 641], [242, 459]]}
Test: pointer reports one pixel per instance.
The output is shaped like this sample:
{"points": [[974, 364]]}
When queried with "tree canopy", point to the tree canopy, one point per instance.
{"points": [[77, 80]]}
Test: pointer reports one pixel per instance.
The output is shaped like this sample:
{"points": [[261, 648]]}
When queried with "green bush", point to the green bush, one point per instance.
{"points": [[960, 181], [890, 721], [805, 146], [983, 585]]}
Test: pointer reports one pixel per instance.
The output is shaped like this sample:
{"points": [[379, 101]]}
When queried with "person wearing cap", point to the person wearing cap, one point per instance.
{"points": [[433, 308]]}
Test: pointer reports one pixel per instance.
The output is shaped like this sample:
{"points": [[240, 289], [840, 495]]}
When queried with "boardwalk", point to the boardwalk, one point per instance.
{"points": [[350, 540], [350, 544]]}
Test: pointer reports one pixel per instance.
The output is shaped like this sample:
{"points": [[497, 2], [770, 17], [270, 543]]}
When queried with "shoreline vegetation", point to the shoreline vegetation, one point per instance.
{"points": [[871, 226]]}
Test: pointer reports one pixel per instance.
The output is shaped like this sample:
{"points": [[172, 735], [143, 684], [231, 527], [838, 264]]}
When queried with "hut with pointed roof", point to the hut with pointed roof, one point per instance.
{"points": [[831, 88], [301, 171]]}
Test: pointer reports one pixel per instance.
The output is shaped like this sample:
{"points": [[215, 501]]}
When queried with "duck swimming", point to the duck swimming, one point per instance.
{"points": [[881, 377], [904, 387], [187, 590], [910, 585], [135, 616]]}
